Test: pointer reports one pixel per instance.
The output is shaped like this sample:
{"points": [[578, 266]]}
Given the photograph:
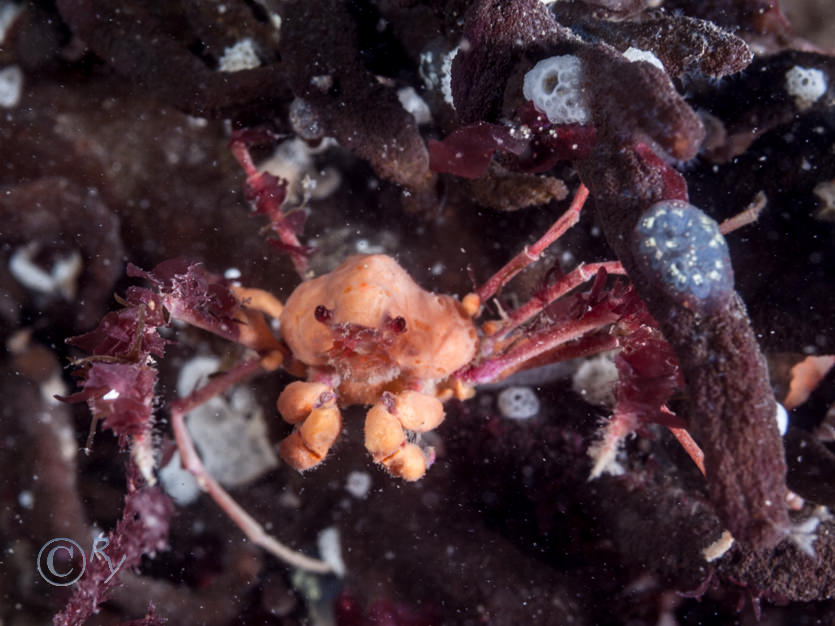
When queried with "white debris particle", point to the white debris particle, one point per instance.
{"points": [[554, 85], [363, 246], [805, 85], [595, 380], [426, 70], [825, 192], [358, 484], [719, 547], [11, 86], [293, 161], [26, 499], [67, 446], [330, 549], [604, 456], [518, 403], [196, 122], [636, 54], [232, 273], [8, 13], [446, 75], [178, 482], [51, 387], [230, 431], [61, 280], [142, 454], [782, 419], [414, 104], [804, 534], [322, 82], [241, 56]]}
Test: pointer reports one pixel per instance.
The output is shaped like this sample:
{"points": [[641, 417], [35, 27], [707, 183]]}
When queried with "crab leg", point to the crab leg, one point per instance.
{"points": [[250, 329], [623, 423], [269, 193], [570, 281], [535, 345], [531, 253], [191, 461]]}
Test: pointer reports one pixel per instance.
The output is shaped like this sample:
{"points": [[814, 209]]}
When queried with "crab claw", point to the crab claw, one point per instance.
{"points": [[385, 431], [312, 407]]}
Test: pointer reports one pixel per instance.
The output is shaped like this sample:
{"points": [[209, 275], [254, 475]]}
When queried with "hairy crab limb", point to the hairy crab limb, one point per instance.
{"points": [[268, 192], [191, 461], [118, 378]]}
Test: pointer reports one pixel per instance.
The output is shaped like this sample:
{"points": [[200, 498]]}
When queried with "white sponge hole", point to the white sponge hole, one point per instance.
{"points": [[554, 85]]}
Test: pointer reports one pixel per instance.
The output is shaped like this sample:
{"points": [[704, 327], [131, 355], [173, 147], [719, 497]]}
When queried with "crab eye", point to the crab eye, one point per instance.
{"points": [[397, 325], [323, 314]]}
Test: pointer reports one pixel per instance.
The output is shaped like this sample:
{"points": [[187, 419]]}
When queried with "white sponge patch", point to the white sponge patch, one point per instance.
{"points": [[11, 86], [518, 403], [554, 86], [636, 54], [241, 56], [806, 85]]}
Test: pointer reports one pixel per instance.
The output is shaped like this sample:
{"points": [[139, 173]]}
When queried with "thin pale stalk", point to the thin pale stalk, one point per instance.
{"points": [[690, 447], [678, 427], [748, 216], [191, 461]]}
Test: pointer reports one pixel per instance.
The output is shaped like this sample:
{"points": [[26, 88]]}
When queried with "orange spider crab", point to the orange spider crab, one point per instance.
{"points": [[366, 333], [370, 335]]}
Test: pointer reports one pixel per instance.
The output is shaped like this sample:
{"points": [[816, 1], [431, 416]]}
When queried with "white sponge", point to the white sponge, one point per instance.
{"points": [[554, 86], [518, 403], [806, 85]]}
